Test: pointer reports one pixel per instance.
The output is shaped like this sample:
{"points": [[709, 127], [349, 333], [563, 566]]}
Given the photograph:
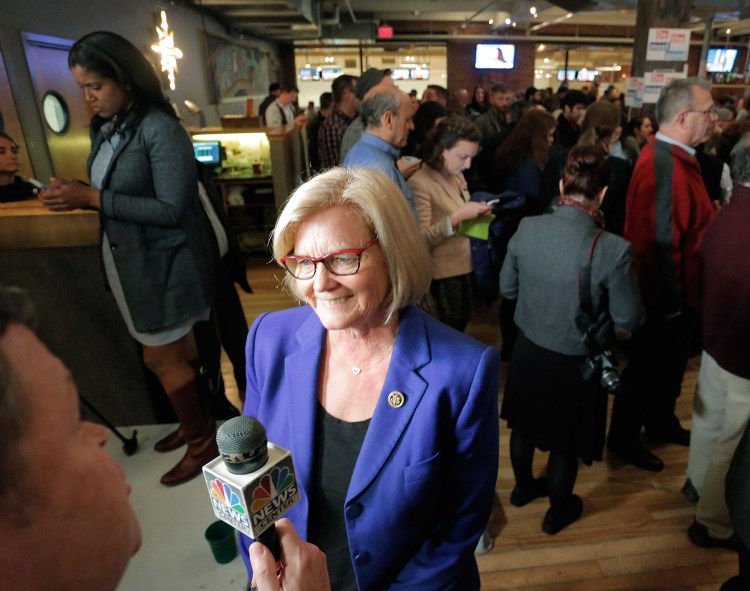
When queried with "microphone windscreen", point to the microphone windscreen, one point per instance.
{"points": [[243, 444]]}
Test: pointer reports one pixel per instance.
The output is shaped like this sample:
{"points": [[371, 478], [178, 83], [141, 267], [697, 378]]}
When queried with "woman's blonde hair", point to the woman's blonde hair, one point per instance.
{"points": [[381, 205]]}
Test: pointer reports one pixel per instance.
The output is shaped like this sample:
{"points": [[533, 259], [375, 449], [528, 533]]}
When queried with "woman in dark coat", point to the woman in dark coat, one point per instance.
{"points": [[157, 251]]}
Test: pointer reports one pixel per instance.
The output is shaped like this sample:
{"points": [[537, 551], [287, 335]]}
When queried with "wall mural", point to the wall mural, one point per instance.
{"points": [[237, 71]]}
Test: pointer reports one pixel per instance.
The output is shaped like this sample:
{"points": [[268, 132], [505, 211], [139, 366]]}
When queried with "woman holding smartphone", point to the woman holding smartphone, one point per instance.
{"points": [[156, 244], [443, 202]]}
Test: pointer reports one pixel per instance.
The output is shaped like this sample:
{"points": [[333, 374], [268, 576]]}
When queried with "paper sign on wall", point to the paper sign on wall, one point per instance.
{"points": [[668, 45], [654, 82], [634, 92]]}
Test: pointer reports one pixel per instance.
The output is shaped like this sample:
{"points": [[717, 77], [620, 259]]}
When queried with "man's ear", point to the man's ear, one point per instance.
{"points": [[386, 120]]}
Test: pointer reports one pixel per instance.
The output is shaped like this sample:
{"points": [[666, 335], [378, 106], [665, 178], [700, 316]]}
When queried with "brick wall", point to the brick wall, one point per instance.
{"points": [[462, 74]]}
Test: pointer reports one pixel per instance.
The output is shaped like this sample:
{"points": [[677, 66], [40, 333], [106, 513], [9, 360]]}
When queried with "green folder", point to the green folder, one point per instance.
{"points": [[476, 228]]}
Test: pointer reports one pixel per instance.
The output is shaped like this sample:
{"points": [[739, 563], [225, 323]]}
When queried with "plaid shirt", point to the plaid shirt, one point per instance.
{"points": [[329, 137]]}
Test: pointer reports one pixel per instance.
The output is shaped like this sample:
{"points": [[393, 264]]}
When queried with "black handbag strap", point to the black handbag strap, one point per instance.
{"points": [[585, 256], [585, 319]]}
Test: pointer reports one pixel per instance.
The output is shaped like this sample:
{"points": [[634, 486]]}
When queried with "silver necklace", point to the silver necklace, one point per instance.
{"points": [[356, 369]]}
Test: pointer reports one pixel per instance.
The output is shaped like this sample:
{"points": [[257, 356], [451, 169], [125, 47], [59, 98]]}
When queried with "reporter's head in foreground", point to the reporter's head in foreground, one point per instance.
{"points": [[65, 519]]}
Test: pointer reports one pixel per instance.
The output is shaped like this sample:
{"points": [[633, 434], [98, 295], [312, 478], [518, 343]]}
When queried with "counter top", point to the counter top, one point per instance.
{"points": [[28, 224]]}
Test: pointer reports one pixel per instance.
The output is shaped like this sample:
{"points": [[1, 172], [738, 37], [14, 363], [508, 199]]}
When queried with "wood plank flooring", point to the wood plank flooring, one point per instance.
{"points": [[632, 536]]}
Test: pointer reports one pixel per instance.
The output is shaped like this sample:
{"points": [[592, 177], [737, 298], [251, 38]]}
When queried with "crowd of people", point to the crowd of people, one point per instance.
{"points": [[627, 233]]}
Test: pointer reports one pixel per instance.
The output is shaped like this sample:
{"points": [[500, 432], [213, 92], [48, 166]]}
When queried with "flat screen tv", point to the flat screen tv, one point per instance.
{"points": [[494, 56], [308, 74], [207, 152], [587, 75], [720, 59], [400, 74], [419, 74], [330, 73], [562, 76]]}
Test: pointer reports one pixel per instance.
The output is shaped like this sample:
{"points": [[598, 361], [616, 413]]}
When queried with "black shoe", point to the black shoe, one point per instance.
{"points": [[734, 584], [698, 534], [673, 434], [688, 491], [523, 496], [554, 521], [637, 454]]}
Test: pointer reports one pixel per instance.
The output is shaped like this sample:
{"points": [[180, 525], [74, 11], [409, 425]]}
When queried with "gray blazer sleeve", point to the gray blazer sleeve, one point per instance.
{"points": [[509, 272]]}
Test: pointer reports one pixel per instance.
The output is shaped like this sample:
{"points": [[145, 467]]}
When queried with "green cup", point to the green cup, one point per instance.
{"points": [[220, 537]]}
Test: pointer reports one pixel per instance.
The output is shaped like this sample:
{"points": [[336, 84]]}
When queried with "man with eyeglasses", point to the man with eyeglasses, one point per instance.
{"points": [[12, 186], [667, 211]]}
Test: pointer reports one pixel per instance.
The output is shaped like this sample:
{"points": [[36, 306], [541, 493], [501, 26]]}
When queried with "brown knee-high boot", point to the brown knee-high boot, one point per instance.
{"points": [[176, 438], [199, 429]]}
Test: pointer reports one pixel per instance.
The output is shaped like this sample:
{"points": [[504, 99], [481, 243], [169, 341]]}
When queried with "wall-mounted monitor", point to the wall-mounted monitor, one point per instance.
{"points": [[495, 56], [308, 74], [571, 75], [330, 73], [720, 59], [587, 75], [207, 152], [400, 74], [419, 74]]}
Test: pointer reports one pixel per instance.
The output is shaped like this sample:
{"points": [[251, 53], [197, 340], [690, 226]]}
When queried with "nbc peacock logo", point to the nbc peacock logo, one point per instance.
{"points": [[270, 486], [223, 493]]}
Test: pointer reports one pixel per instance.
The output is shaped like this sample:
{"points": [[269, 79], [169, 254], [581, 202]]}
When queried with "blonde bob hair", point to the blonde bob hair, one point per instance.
{"points": [[381, 205]]}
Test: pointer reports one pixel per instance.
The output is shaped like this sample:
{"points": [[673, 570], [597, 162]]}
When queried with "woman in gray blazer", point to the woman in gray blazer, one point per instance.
{"points": [[156, 247], [548, 403]]}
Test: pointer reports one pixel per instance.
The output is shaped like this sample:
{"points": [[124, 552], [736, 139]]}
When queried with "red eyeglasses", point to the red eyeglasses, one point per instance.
{"points": [[339, 262]]}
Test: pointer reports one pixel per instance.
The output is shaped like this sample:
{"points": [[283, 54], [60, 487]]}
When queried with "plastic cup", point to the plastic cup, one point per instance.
{"points": [[221, 539]]}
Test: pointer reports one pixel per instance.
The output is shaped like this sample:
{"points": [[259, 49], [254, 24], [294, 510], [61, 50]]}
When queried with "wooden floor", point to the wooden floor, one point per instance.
{"points": [[632, 535]]}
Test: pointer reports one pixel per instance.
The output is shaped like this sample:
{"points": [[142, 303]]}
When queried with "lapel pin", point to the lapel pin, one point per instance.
{"points": [[396, 399]]}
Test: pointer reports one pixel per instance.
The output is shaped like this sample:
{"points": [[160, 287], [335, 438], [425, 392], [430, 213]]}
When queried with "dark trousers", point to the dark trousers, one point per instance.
{"points": [[742, 581], [653, 379], [227, 329]]}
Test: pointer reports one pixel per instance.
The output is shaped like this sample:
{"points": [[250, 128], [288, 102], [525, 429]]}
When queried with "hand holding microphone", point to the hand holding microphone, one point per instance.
{"points": [[305, 567], [252, 483]]}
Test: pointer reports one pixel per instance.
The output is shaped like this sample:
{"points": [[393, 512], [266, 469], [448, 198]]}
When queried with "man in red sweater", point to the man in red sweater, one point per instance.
{"points": [[668, 209]]}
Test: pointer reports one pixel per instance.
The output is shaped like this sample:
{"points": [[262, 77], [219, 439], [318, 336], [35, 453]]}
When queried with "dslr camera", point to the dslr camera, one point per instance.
{"points": [[605, 364]]}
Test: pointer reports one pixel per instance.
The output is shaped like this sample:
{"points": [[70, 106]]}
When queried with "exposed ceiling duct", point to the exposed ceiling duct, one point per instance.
{"points": [[295, 21]]}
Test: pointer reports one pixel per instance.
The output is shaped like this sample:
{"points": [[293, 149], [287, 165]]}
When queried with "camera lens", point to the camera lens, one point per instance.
{"points": [[610, 380]]}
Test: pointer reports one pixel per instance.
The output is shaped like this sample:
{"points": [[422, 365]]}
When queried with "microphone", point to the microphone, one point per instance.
{"points": [[252, 483]]}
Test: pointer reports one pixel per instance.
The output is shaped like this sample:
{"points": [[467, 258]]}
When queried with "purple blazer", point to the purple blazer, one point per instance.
{"points": [[424, 482]]}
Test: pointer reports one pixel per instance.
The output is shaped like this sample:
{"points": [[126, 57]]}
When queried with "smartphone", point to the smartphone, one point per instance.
{"points": [[38, 185], [493, 202]]}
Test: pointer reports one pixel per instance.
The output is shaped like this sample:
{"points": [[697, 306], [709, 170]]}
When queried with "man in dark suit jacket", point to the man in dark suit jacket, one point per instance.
{"points": [[569, 121]]}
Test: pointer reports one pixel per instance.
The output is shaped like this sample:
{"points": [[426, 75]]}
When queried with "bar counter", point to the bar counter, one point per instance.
{"points": [[28, 224]]}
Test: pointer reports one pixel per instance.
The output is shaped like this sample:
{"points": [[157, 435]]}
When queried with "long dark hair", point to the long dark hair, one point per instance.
{"points": [[528, 140], [111, 56]]}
